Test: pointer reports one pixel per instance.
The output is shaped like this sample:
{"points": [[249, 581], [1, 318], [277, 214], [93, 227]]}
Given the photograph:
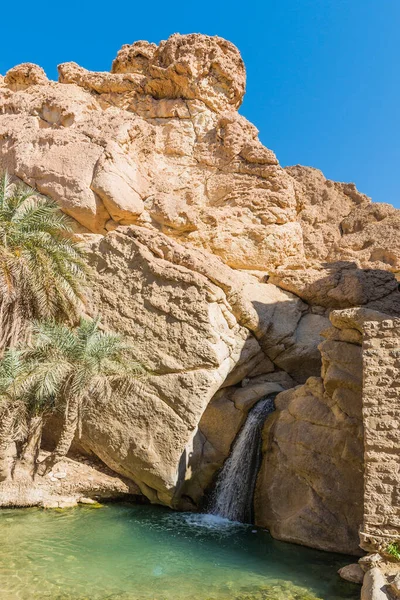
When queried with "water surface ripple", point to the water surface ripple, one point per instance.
{"points": [[127, 552]]}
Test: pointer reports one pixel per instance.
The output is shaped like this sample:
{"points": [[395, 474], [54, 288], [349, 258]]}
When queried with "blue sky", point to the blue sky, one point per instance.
{"points": [[323, 76]]}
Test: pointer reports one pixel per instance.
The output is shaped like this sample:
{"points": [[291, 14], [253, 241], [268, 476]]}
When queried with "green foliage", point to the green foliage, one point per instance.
{"points": [[42, 277], [78, 366], [11, 370], [12, 394], [77, 362], [63, 368], [394, 550], [18, 393], [42, 270]]}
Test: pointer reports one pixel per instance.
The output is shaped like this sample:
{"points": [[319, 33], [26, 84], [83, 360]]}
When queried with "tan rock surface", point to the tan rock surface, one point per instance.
{"points": [[159, 142], [340, 223], [286, 331], [24, 75], [381, 415], [342, 285], [374, 585], [194, 322], [185, 335], [190, 66], [224, 279], [71, 480], [310, 487]]}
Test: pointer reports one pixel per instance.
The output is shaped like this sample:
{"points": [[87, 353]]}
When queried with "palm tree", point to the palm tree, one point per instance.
{"points": [[42, 271], [39, 405], [12, 409], [76, 366], [23, 407]]}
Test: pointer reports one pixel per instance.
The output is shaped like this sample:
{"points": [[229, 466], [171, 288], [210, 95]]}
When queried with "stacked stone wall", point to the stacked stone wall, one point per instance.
{"points": [[381, 417]]}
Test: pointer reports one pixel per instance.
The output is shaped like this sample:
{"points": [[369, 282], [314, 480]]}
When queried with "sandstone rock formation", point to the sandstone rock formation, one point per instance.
{"points": [[314, 443], [158, 142], [221, 267], [341, 224], [71, 482], [197, 328], [381, 413]]}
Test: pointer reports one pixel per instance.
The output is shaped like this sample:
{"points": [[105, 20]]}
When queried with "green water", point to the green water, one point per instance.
{"points": [[127, 552]]}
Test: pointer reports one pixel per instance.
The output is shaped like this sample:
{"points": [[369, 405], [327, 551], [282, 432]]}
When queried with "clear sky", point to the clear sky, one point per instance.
{"points": [[323, 76]]}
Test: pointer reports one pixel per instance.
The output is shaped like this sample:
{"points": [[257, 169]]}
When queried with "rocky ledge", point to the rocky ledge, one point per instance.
{"points": [[77, 480]]}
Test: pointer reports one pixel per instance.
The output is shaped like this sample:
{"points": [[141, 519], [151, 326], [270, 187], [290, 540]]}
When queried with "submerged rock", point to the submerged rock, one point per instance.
{"points": [[353, 573]]}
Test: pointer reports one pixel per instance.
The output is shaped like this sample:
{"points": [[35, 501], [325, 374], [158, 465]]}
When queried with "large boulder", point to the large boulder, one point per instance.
{"points": [[184, 334], [196, 327], [310, 486]]}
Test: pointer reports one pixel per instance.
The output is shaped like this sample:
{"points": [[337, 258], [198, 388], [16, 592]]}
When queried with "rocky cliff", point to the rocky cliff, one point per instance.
{"points": [[221, 267]]}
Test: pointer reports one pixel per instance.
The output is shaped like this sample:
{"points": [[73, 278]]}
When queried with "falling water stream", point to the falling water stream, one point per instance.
{"points": [[234, 491]]}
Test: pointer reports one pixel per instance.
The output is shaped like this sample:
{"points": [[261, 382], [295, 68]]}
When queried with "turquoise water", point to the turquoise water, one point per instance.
{"points": [[128, 552]]}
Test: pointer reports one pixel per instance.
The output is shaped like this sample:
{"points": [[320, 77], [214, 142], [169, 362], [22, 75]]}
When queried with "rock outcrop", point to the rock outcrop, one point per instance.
{"points": [[341, 224], [198, 327], [221, 267], [156, 142], [77, 480], [381, 413], [310, 487]]}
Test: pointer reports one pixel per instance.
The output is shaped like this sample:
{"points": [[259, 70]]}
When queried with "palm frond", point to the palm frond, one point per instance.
{"points": [[42, 269]]}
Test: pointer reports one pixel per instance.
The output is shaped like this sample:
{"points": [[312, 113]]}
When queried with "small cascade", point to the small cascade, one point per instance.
{"points": [[234, 490]]}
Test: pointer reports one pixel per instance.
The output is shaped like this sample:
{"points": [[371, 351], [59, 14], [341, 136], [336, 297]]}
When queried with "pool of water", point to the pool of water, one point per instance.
{"points": [[128, 552]]}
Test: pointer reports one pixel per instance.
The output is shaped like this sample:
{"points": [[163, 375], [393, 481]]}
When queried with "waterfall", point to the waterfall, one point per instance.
{"points": [[234, 490]]}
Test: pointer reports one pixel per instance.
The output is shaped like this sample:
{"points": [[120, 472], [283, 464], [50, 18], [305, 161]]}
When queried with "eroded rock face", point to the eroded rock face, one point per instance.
{"points": [[187, 66], [310, 487], [156, 142], [342, 284], [185, 335], [341, 224], [197, 327]]}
